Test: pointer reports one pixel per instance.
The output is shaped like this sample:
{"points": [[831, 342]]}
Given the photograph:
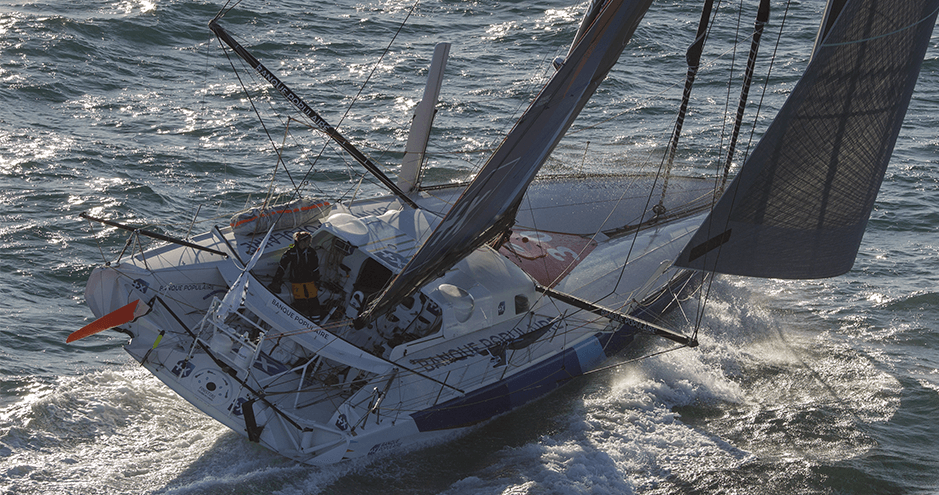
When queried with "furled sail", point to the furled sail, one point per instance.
{"points": [[487, 208], [799, 205]]}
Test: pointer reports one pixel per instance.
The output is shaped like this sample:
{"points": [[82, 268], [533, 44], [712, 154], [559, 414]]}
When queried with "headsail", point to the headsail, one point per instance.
{"points": [[799, 206], [487, 208]]}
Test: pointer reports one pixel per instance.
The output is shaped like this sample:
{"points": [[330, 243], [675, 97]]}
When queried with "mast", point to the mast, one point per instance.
{"points": [[487, 208], [320, 123]]}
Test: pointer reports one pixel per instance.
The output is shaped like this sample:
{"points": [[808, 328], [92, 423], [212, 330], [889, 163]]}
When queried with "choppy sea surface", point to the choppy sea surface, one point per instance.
{"points": [[129, 110]]}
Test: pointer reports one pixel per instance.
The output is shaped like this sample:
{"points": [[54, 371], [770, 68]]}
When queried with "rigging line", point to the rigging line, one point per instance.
{"points": [[97, 241], [362, 87], [639, 225], [730, 81], [544, 259], [762, 17], [871, 38], [350, 169], [328, 143], [676, 298], [759, 107], [635, 360], [591, 239], [705, 293], [303, 182], [280, 158], [257, 113], [226, 9], [204, 111], [378, 62], [693, 59], [769, 72], [285, 122], [599, 230], [650, 98], [342, 156], [642, 218]]}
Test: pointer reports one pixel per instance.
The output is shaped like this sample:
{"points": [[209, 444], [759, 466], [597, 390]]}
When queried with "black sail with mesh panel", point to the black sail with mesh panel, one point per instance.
{"points": [[800, 204]]}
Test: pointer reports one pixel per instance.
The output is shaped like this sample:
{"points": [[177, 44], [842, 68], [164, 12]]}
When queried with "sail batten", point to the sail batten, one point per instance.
{"points": [[800, 204]]}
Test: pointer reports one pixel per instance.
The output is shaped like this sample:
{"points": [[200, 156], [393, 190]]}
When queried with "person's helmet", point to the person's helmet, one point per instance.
{"points": [[302, 236]]}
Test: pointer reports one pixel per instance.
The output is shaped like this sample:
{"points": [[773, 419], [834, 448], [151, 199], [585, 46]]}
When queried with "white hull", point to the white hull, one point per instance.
{"points": [[321, 393]]}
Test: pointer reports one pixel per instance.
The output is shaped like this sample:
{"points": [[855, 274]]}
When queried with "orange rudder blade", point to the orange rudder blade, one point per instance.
{"points": [[113, 319]]}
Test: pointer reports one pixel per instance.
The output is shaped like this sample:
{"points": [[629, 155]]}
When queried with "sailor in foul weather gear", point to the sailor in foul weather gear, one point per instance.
{"points": [[302, 267]]}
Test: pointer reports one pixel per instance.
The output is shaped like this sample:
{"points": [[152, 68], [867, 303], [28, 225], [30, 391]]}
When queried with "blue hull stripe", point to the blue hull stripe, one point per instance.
{"points": [[505, 395], [480, 405]]}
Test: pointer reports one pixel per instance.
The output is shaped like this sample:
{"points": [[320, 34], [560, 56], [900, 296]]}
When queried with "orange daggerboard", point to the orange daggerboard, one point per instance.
{"points": [[118, 317]]}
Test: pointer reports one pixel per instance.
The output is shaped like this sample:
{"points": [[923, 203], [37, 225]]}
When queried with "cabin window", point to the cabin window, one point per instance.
{"points": [[521, 304], [343, 246], [372, 277]]}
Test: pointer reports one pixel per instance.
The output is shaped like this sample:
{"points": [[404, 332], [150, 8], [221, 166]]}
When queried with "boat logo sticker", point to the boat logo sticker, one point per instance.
{"points": [[269, 366], [182, 369], [276, 240], [212, 386], [235, 407], [394, 260], [493, 346], [141, 285], [389, 446], [342, 423]]}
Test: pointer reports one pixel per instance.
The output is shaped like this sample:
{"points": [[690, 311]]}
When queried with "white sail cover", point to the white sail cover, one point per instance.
{"points": [[487, 207], [800, 204]]}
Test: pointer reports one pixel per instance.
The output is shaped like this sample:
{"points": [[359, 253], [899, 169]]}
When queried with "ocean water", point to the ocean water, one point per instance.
{"points": [[128, 109]]}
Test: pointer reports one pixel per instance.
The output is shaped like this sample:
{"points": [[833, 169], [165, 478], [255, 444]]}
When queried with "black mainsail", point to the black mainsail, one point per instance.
{"points": [[487, 208], [799, 205]]}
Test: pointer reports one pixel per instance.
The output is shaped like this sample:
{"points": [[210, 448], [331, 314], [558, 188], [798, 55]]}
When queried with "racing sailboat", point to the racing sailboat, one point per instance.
{"points": [[440, 311]]}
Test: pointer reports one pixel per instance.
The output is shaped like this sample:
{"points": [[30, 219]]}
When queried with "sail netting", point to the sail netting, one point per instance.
{"points": [[800, 204], [487, 208]]}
